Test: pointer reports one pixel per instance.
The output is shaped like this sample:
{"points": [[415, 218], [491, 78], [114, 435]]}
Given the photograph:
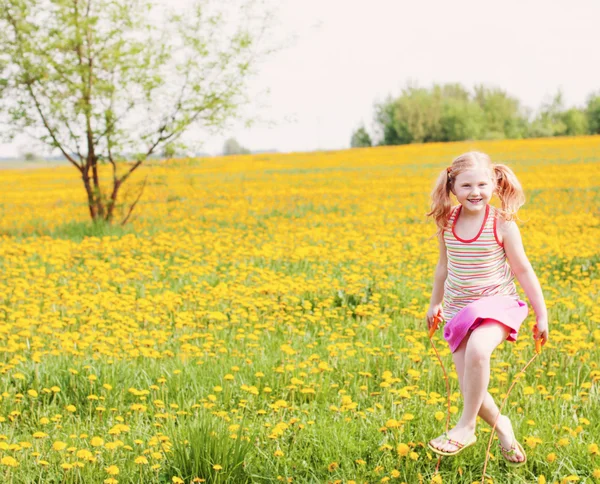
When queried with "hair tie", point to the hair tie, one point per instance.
{"points": [[448, 170]]}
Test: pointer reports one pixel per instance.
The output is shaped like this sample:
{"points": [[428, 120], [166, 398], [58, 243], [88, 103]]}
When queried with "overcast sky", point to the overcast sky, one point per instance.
{"points": [[347, 54]]}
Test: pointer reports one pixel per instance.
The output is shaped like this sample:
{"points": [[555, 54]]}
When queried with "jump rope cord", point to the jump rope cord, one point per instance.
{"points": [[538, 349], [436, 321]]}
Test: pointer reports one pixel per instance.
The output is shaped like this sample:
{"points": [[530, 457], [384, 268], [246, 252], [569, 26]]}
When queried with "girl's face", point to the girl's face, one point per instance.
{"points": [[473, 189]]}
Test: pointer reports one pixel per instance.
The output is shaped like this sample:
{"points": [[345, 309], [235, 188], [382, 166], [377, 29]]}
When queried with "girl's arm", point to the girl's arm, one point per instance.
{"points": [[521, 267], [437, 293]]}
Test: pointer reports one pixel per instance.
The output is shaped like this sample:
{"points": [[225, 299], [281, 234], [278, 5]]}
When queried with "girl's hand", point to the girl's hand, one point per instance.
{"points": [[434, 310], [540, 330]]}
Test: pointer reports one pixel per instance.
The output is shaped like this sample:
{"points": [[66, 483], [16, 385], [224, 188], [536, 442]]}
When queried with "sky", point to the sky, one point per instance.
{"points": [[345, 55]]}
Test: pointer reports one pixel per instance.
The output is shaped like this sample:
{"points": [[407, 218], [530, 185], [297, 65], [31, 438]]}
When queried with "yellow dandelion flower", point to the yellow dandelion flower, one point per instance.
{"points": [[112, 470], [217, 467], [141, 460], [393, 424], [58, 445], [9, 461], [84, 454], [402, 449], [97, 442]]}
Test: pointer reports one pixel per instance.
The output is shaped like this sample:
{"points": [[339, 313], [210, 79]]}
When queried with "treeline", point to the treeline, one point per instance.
{"points": [[450, 112]]}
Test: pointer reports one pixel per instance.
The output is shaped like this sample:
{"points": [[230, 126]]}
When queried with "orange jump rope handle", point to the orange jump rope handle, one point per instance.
{"points": [[538, 341], [436, 321]]}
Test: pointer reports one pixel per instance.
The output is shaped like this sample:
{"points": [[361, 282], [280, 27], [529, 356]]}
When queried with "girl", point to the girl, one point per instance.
{"points": [[475, 282]]}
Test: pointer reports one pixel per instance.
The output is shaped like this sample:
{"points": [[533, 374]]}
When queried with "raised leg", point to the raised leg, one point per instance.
{"points": [[472, 361]]}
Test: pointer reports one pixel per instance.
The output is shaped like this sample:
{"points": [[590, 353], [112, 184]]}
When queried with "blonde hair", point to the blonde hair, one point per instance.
{"points": [[506, 186]]}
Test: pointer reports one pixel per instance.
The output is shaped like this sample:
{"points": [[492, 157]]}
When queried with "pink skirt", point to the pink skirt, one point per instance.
{"points": [[506, 310]]}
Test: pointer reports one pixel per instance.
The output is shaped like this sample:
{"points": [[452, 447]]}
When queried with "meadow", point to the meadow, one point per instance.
{"points": [[262, 319]]}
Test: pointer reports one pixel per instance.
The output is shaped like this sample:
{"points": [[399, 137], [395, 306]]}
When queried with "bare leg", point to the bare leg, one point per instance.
{"points": [[475, 350]]}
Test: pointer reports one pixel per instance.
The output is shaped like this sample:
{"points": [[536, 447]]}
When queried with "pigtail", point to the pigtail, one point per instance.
{"points": [[509, 192], [440, 200]]}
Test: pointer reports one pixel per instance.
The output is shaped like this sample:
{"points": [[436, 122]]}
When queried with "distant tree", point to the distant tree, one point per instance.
{"points": [[417, 115], [104, 80], [169, 150], [232, 147], [593, 113], [549, 121], [452, 91], [575, 121], [384, 123], [28, 153], [360, 138], [503, 115], [461, 120], [30, 156]]}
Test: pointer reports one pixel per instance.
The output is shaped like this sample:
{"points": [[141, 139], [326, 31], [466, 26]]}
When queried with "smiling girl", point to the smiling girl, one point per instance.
{"points": [[481, 252]]}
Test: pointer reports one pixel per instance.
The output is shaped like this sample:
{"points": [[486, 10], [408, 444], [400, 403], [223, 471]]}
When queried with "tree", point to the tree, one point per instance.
{"points": [[103, 81], [504, 116], [593, 113], [461, 119], [417, 115], [549, 121], [360, 138], [232, 147], [384, 123], [575, 121]]}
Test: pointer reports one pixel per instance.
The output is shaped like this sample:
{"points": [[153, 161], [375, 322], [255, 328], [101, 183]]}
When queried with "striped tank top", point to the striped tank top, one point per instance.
{"points": [[477, 267]]}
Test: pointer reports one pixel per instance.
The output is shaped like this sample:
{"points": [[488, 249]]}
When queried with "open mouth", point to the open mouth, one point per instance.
{"points": [[475, 200]]}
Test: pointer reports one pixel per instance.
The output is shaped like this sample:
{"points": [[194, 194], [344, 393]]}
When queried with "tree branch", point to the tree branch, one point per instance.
{"points": [[57, 144], [135, 202]]}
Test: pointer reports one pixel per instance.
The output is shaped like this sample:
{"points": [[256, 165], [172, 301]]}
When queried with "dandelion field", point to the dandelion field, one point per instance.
{"points": [[261, 319]]}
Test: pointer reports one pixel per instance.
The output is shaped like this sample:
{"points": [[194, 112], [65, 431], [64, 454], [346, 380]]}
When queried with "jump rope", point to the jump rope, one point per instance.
{"points": [[437, 319]]}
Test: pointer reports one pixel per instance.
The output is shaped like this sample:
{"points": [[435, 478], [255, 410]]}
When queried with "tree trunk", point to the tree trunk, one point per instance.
{"points": [[90, 195], [110, 206]]}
